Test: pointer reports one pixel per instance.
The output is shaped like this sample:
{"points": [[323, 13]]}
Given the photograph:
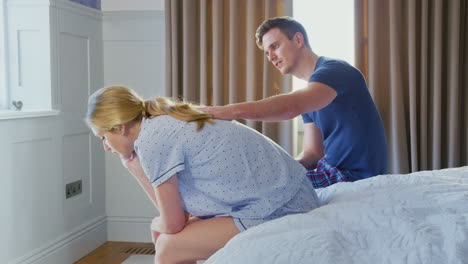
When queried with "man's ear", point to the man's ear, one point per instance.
{"points": [[299, 39]]}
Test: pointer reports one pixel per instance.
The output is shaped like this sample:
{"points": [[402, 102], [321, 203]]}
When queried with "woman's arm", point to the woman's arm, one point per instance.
{"points": [[165, 198], [135, 168], [172, 217]]}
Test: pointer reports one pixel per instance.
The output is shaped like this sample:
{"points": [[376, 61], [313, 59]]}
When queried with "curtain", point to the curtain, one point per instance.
{"points": [[212, 58], [414, 54]]}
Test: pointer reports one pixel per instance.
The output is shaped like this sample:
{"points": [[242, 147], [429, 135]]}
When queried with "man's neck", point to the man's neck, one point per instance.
{"points": [[306, 65]]}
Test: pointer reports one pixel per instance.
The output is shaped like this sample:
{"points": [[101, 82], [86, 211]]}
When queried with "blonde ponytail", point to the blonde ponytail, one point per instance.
{"points": [[179, 110], [110, 107]]}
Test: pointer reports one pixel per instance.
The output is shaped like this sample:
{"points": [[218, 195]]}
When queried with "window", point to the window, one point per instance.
{"points": [[330, 28], [3, 75], [26, 64]]}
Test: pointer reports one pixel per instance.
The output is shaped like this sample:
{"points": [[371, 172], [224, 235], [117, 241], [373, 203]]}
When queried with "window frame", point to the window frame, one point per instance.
{"points": [[4, 93]]}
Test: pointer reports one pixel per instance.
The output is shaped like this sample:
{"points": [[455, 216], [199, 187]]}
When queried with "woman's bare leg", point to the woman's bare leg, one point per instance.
{"points": [[198, 240]]}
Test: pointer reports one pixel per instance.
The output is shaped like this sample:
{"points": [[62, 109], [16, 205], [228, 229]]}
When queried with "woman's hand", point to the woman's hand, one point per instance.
{"points": [[132, 163], [154, 236], [127, 161], [155, 229]]}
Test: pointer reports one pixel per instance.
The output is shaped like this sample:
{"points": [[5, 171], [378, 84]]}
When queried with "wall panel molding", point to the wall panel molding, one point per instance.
{"points": [[41, 225], [90, 231], [77, 9], [131, 229]]}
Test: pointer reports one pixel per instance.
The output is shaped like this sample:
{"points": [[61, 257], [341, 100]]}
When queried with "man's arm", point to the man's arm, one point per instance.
{"points": [[280, 107], [313, 146]]}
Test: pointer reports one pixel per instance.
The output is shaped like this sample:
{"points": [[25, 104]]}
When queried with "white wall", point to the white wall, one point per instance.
{"points": [[126, 5], [133, 56], [40, 155]]}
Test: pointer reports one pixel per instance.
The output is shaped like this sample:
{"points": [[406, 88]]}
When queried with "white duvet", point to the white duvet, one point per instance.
{"points": [[414, 218]]}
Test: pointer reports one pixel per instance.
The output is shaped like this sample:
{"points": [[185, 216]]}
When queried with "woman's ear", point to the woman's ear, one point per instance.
{"points": [[123, 129], [120, 130]]}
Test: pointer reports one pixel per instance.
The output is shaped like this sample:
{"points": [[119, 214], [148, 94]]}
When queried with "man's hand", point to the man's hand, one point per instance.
{"points": [[308, 164], [218, 112]]}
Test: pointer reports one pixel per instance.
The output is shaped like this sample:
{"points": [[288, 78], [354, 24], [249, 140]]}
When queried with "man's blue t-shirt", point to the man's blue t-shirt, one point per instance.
{"points": [[354, 137]]}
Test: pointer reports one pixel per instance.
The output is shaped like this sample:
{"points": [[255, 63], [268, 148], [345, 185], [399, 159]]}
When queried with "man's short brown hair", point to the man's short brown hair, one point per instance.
{"points": [[286, 24]]}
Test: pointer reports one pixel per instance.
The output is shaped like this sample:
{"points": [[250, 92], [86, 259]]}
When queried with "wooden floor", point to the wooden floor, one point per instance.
{"points": [[116, 252]]}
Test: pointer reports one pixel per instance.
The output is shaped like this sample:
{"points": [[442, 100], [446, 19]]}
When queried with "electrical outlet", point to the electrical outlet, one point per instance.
{"points": [[73, 189]]}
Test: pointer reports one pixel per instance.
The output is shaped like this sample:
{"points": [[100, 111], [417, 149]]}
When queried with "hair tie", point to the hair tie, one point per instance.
{"points": [[143, 112]]}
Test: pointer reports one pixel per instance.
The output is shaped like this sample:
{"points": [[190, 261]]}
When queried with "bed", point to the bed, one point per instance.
{"points": [[413, 218]]}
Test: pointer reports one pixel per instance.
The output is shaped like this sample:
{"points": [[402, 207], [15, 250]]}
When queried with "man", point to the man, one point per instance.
{"points": [[344, 139]]}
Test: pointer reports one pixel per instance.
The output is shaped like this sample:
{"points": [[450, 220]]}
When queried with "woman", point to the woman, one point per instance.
{"points": [[224, 175]]}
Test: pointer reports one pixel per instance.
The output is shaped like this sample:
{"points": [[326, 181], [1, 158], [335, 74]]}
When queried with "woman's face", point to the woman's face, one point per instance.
{"points": [[116, 142]]}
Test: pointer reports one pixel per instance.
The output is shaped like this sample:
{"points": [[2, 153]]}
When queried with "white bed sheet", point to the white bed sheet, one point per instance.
{"points": [[414, 218]]}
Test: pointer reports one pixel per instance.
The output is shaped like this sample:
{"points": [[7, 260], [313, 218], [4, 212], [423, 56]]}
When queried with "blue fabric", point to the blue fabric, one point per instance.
{"points": [[298, 204], [353, 133], [96, 4], [226, 169]]}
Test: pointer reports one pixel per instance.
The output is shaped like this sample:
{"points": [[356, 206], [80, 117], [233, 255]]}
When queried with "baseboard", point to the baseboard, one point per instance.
{"points": [[87, 237], [71, 246], [129, 229]]}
